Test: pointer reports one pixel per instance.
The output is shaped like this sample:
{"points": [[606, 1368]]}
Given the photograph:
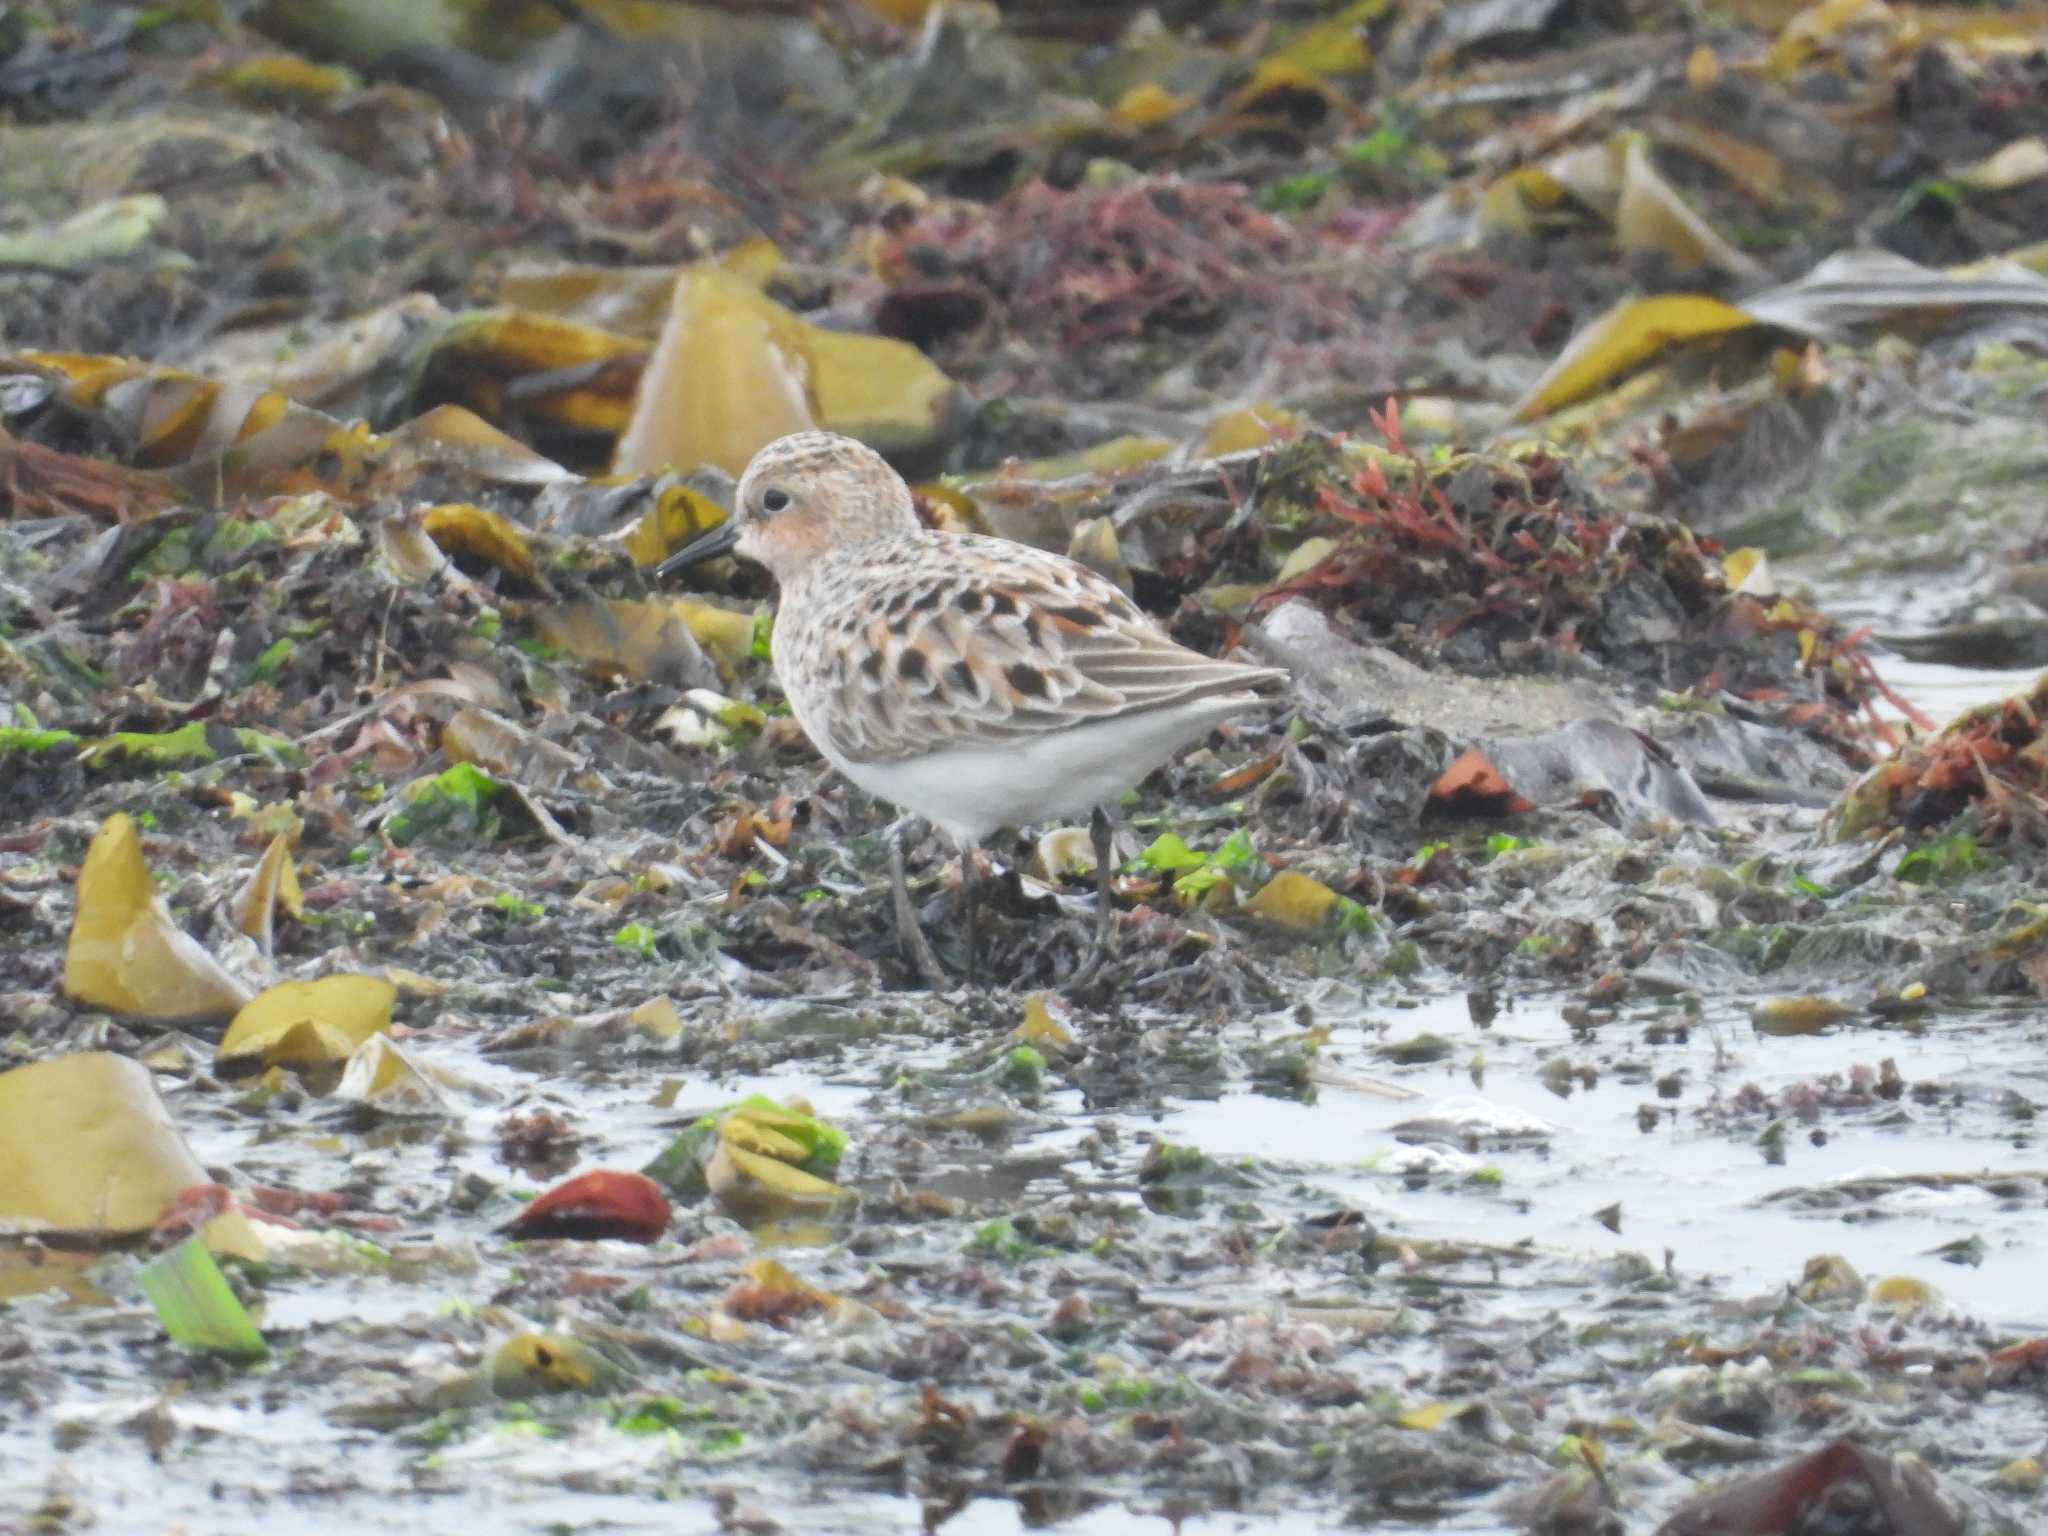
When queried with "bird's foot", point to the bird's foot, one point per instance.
{"points": [[1104, 947], [917, 949]]}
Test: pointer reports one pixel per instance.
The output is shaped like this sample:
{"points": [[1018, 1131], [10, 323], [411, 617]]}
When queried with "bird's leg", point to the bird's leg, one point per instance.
{"points": [[969, 889], [909, 936], [1105, 903]]}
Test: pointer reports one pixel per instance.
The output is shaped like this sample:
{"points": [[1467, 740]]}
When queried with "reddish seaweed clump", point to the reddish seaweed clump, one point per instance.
{"points": [[1514, 562], [1993, 759], [1100, 263]]}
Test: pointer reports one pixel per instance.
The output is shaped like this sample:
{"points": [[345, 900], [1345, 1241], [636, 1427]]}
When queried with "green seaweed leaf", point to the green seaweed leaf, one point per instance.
{"points": [[14, 738], [197, 1306], [1169, 853], [1943, 860], [462, 799]]}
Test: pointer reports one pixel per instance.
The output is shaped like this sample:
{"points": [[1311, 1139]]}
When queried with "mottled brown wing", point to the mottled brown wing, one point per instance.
{"points": [[993, 642]]}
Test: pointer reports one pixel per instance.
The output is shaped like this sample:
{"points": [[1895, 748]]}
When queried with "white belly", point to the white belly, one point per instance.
{"points": [[972, 791]]}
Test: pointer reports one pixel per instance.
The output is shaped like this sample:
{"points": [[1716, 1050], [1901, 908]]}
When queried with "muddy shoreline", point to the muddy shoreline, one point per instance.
{"points": [[1574, 1069]]}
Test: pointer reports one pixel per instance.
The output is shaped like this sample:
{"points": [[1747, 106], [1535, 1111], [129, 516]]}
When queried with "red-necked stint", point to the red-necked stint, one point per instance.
{"points": [[974, 681]]}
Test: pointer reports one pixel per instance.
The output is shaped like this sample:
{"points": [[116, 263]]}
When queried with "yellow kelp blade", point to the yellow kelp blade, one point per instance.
{"points": [[1632, 332], [126, 952], [87, 1147], [310, 1023]]}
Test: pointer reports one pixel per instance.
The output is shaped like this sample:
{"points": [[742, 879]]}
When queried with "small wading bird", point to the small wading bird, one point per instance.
{"points": [[973, 681]]}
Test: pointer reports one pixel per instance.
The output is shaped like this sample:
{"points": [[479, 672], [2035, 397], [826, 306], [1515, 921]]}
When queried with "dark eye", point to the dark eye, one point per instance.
{"points": [[774, 500]]}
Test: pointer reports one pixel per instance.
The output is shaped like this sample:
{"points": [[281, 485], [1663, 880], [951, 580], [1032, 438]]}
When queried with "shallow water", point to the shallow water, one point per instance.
{"points": [[1938, 690], [1692, 1190], [1942, 692], [1694, 1186]]}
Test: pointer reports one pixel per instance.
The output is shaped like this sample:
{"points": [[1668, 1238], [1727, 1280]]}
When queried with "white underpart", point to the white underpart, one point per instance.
{"points": [[972, 791]]}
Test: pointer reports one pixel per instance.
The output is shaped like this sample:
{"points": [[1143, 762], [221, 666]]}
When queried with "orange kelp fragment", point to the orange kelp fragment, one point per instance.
{"points": [[1585, 763], [2025, 1360], [1472, 786], [1238, 780], [601, 1204]]}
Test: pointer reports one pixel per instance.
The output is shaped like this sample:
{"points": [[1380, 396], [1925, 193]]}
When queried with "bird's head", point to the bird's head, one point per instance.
{"points": [[802, 496]]}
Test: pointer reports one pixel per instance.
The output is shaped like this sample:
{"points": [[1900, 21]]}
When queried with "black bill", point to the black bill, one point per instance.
{"points": [[706, 546]]}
